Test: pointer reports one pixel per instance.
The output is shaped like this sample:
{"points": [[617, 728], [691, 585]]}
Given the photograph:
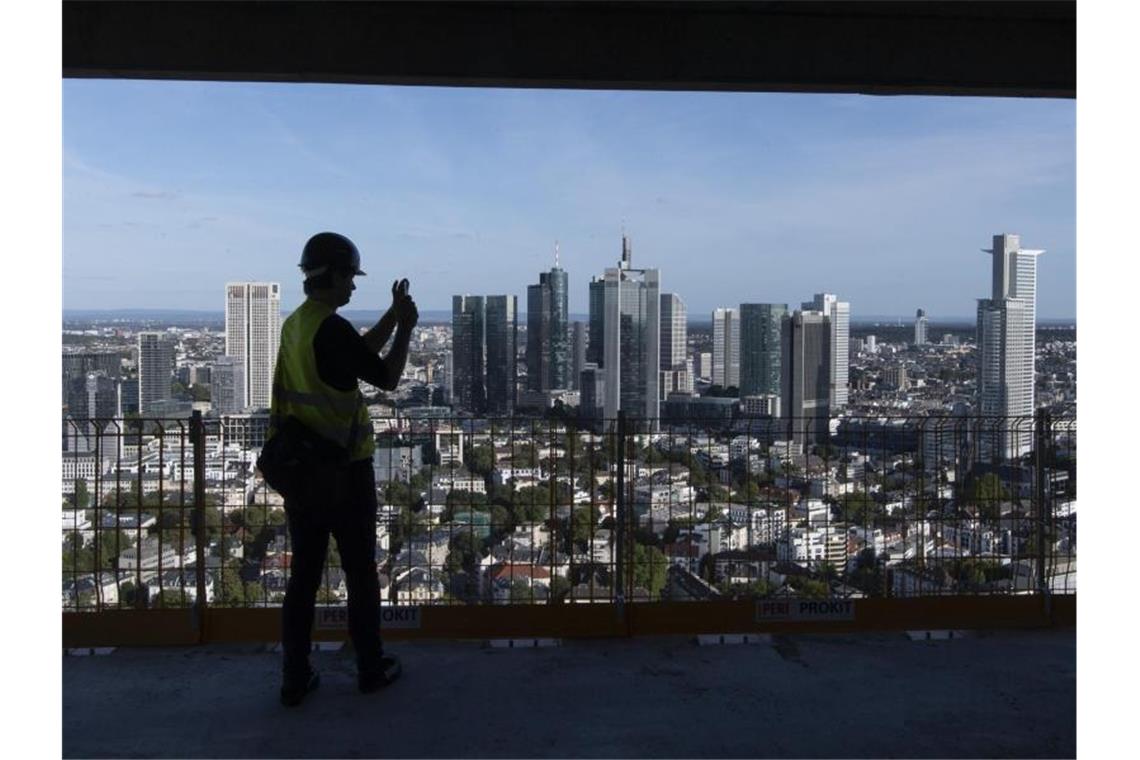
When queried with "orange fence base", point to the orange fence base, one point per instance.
{"points": [[180, 627]]}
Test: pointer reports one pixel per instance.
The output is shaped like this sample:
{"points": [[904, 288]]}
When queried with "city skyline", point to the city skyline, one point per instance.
{"points": [[883, 200]]}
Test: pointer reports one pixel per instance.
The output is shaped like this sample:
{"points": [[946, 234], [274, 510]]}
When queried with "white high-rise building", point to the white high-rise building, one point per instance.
{"points": [[839, 314], [920, 328], [253, 335], [726, 348], [632, 342], [1007, 322], [674, 331]]}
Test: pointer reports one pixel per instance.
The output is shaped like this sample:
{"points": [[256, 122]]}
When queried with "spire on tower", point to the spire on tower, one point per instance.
{"points": [[556, 254]]}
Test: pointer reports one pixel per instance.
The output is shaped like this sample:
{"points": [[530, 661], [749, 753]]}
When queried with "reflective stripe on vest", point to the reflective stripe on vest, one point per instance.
{"points": [[298, 391]]}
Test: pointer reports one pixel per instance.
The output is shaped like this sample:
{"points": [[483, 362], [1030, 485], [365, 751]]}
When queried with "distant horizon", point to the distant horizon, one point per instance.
{"points": [[437, 315]]}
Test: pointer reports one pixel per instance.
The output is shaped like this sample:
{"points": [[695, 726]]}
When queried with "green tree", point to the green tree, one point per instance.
{"points": [[987, 493], [480, 459], [532, 504], [525, 455], [521, 591], [559, 589], [131, 596], [649, 568], [464, 551], [749, 493], [759, 587], [77, 555], [82, 497], [172, 597], [809, 587], [583, 522], [858, 507], [713, 513], [716, 492], [254, 593], [200, 392]]}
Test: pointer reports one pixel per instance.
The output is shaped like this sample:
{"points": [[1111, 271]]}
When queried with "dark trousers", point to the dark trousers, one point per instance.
{"points": [[347, 510]]}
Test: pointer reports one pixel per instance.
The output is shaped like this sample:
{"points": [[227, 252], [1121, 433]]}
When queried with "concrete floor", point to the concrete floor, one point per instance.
{"points": [[1000, 694]]}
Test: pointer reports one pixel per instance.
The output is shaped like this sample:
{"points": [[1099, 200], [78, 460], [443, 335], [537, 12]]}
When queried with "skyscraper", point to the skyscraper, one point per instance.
{"points": [[578, 351], [92, 395], [595, 346], [548, 357], [1006, 327], [468, 343], [253, 334], [760, 348], [156, 367], [502, 349], [632, 339], [920, 328], [839, 315], [227, 385], [805, 375], [676, 374], [726, 348], [674, 331]]}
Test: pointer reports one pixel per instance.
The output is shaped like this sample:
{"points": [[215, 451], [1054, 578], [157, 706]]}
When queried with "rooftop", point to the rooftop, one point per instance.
{"points": [[995, 694]]}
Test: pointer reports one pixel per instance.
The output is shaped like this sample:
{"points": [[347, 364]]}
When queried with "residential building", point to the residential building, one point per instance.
{"points": [[920, 328]]}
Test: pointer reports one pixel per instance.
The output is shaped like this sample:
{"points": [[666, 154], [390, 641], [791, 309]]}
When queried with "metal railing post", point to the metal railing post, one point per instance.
{"points": [[1041, 442], [619, 522], [198, 441]]}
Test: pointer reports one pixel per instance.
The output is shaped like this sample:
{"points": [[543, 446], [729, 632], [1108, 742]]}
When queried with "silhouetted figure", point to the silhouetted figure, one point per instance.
{"points": [[315, 384]]}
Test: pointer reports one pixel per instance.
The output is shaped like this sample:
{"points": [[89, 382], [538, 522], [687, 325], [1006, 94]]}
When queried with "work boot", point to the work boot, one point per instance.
{"points": [[295, 687], [374, 679]]}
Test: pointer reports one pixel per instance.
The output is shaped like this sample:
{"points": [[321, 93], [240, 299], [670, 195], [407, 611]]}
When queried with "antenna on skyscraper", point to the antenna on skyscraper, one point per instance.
{"points": [[556, 254]]}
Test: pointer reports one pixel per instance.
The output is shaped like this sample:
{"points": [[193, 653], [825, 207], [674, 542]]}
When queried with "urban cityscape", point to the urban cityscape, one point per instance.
{"points": [[772, 450]]}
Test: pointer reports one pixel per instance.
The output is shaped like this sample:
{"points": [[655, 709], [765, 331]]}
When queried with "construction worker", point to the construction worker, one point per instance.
{"points": [[321, 359]]}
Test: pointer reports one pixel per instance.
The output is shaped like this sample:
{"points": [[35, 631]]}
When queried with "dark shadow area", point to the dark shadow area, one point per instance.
{"points": [[1000, 694]]}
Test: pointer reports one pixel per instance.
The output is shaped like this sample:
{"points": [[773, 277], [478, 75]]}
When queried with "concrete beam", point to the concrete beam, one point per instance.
{"points": [[956, 48]]}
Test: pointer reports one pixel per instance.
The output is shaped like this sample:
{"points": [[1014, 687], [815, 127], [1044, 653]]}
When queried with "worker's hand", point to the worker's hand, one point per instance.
{"points": [[399, 296], [403, 306], [411, 314]]}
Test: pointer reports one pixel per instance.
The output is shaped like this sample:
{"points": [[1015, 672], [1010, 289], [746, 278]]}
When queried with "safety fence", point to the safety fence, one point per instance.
{"points": [[779, 517]]}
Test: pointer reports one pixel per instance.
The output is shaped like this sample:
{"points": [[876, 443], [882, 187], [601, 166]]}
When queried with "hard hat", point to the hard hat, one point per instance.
{"points": [[328, 250]]}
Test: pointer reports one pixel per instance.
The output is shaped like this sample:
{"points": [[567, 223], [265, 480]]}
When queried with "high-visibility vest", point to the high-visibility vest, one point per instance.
{"points": [[298, 391]]}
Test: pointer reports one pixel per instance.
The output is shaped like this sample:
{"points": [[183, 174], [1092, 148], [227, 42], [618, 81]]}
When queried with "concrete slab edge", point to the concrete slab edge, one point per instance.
{"points": [[522, 643], [723, 639], [936, 635], [88, 651]]}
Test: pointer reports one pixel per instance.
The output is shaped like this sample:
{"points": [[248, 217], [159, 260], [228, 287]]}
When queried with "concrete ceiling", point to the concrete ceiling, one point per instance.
{"points": [[936, 48]]}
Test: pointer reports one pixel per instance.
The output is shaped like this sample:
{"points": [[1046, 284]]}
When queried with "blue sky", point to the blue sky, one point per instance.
{"points": [[172, 189]]}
